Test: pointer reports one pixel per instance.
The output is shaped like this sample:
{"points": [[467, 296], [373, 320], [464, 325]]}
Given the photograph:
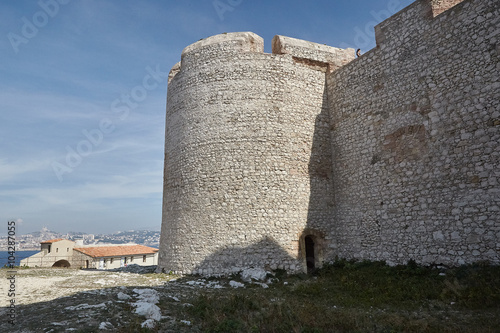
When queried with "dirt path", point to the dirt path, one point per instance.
{"points": [[42, 285]]}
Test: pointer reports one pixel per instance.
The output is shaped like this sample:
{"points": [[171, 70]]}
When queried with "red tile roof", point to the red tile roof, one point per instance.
{"points": [[52, 240], [115, 251]]}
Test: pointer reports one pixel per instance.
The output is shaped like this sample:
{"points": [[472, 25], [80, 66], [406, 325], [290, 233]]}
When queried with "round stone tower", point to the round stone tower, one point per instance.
{"points": [[247, 155]]}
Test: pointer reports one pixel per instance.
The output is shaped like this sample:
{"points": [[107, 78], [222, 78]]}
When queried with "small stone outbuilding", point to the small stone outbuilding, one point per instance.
{"points": [[53, 253]]}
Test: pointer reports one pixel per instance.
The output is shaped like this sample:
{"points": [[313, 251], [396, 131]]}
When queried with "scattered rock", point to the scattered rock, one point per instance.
{"points": [[146, 304], [149, 323], [175, 298], [148, 310], [147, 295], [263, 285], [123, 296], [236, 284], [202, 283], [186, 322], [214, 285], [106, 325], [256, 274], [85, 306]]}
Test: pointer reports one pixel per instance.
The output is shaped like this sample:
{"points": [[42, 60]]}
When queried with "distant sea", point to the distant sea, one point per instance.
{"points": [[4, 255]]}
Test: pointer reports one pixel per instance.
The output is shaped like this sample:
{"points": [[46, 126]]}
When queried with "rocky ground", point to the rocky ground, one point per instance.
{"points": [[60, 300], [345, 296]]}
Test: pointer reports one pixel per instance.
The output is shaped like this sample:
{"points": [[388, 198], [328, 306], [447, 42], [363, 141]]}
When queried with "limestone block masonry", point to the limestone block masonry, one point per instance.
{"points": [[287, 160]]}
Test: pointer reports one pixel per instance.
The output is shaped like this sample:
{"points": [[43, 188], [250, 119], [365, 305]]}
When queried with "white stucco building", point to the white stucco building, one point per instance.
{"points": [[65, 253]]}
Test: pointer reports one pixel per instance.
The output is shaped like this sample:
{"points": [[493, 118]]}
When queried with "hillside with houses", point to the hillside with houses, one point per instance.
{"points": [[31, 241]]}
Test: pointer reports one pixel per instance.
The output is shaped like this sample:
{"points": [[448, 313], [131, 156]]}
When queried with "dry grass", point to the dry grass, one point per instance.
{"points": [[360, 297]]}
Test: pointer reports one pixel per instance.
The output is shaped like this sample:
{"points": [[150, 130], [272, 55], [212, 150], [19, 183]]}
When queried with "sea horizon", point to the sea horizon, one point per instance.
{"points": [[19, 255]]}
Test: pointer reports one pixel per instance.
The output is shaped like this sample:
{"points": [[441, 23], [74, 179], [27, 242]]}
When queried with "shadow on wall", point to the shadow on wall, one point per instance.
{"points": [[267, 254], [314, 240]]}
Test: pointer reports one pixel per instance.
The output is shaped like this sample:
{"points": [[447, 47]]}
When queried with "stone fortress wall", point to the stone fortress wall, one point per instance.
{"points": [[391, 156], [416, 139], [240, 124]]}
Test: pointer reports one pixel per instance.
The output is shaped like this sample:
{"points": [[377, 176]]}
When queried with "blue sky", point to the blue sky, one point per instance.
{"points": [[83, 94]]}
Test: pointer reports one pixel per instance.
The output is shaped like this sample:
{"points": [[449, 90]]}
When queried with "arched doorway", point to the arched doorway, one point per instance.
{"points": [[311, 249], [61, 264], [310, 257]]}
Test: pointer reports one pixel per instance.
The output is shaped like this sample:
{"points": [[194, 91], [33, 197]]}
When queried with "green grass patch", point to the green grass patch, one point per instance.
{"points": [[351, 296]]}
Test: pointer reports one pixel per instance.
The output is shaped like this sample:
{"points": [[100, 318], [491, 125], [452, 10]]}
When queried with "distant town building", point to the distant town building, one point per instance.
{"points": [[65, 253]]}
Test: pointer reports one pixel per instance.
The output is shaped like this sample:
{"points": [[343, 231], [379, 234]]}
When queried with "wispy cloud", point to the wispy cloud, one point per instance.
{"points": [[138, 185], [10, 170], [104, 196], [46, 105]]}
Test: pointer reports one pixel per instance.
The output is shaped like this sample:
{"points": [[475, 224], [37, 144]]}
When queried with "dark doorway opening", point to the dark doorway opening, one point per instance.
{"points": [[310, 260], [62, 263], [87, 264]]}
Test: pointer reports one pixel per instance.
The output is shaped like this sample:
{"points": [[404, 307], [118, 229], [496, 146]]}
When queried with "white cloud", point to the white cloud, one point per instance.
{"points": [[73, 204], [31, 106]]}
